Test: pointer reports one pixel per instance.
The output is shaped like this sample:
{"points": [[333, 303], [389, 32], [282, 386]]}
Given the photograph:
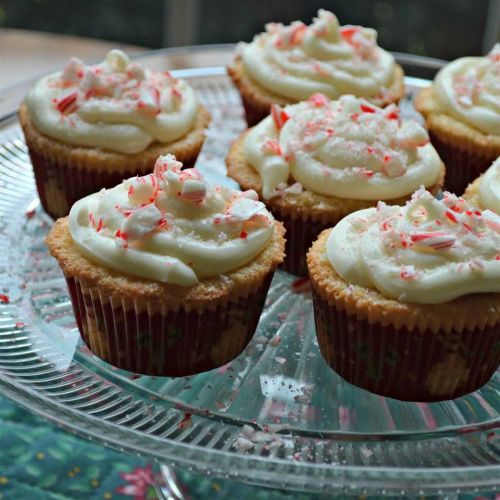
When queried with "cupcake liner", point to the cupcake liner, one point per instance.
{"points": [[253, 113], [405, 364], [300, 233], [138, 337], [463, 164]]}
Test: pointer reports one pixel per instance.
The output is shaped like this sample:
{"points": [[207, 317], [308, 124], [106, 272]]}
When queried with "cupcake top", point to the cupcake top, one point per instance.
{"points": [[115, 105], [489, 188], [426, 252], [346, 148], [170, 226], [296, 61], [469, 90]]}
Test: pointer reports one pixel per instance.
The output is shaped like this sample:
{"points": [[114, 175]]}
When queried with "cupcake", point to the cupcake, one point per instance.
{"points": [[288, 64], [317, 161], [167, 276], [89, 127], [407, 299], [484, 192], [462, 109]]}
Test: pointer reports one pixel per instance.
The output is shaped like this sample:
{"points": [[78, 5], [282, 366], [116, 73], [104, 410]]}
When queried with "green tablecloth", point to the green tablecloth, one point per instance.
{"points": [[39, 461]]}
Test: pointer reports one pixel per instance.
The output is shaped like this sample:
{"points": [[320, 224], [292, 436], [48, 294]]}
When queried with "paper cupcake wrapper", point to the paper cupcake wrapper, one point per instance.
{"points": [[463, 164], [62, 183], [140, 339], [300, 233], [253, 113], [403, 364]]}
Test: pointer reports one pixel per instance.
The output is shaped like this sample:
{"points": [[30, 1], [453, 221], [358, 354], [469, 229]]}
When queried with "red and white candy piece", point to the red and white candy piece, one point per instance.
{"points": [[166, 163], [408, 272], [319, 100], [67, 104], [142, 221], [136, 72], [176, 95], [121, 239], [491, 220], [193, 190], [189, 173], [250, 194], [290, 36], [92, 85], [279, 116], [73, 71], [149, 99], [363, 172], [244, 209], [117, 60], [142, 190], [393, 165], [411, 135], [434, 240], [367, 108], [347, 32]]}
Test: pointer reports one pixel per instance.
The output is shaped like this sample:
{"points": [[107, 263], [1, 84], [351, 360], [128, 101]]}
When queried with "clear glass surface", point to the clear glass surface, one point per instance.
{"points": [[276, 415]]}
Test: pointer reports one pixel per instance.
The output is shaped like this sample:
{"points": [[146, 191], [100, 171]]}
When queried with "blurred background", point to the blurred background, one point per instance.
{"points": [[439, 28]]}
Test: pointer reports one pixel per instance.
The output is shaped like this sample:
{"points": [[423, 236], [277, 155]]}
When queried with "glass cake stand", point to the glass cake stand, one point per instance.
{"points": [[276, 416]]}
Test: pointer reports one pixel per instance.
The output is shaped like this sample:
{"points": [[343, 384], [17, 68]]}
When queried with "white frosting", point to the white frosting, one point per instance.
{"points": [[170, 226], [489, 188], [427, 252], [346, 148], [469, 90], [297, 61], [115, 105]]}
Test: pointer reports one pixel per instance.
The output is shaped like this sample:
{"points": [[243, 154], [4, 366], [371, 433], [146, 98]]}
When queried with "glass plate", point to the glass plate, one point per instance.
{"points": [[275, 416]]}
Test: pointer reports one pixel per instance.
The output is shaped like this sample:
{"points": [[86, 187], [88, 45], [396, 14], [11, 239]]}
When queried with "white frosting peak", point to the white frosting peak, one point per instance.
{"points": [[426, 252], [469, 89], [296, 61], [170, 226], [116, 105], [347, 148]]}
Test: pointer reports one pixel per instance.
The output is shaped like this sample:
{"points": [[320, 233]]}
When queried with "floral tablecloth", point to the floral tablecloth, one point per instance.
{"points": [[39, 461]]}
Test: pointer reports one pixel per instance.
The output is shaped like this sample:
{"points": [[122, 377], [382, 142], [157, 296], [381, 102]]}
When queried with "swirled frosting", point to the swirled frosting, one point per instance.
{"points": [[170, 226], [469, 90], [297, 61], [489, 188], [115, 105], [426, 252], [346, 148]]}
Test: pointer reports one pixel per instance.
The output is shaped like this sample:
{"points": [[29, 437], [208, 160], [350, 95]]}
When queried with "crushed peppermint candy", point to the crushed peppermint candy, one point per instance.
{"points": [[279, 116], [116, 85]]}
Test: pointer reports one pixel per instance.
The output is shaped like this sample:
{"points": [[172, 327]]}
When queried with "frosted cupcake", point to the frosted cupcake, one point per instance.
{"points": [[462, 109], [484, 192], [167, 275], [288, 64], [89, 127], [407, 299], [317, 161]]}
